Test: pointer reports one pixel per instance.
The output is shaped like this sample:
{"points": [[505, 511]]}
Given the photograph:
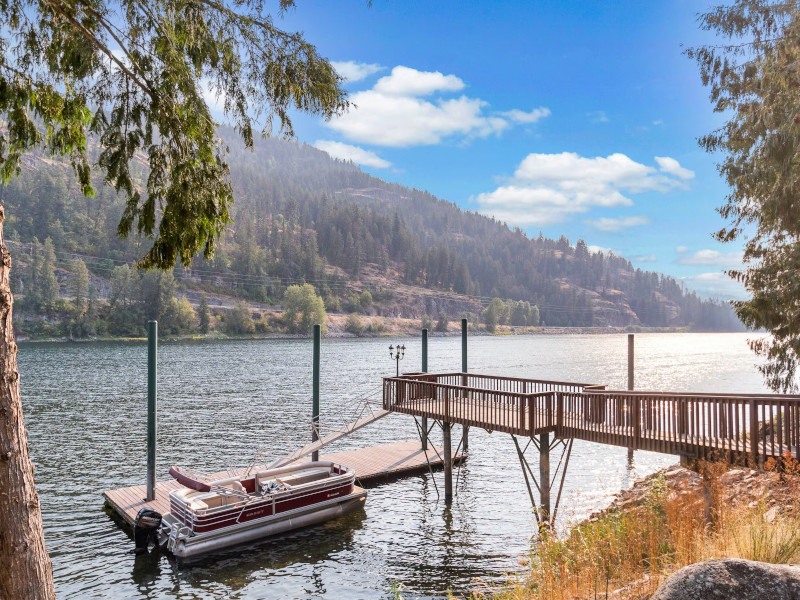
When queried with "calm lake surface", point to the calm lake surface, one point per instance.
{"points": [[85, 408]]}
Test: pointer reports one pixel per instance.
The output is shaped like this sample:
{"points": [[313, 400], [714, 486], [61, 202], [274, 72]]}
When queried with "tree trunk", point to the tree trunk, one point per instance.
{"points": [[25, 569]]}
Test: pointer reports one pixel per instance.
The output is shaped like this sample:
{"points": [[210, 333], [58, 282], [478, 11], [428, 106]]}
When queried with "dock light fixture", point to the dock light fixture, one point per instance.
{"points": [[396, 354]]}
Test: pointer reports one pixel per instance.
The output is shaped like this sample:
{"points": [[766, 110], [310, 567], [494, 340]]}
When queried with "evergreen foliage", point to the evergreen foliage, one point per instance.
{"points": [[79, 284], [301, 216], [204, 314], [132, 74], [752, 79]]}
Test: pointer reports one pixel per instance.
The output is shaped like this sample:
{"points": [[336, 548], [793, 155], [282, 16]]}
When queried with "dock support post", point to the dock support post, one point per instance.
{"points": [[630, 383], [544, 477], [315, 392], [448, 464], [465, 434], [425, 370], [152, 366]]}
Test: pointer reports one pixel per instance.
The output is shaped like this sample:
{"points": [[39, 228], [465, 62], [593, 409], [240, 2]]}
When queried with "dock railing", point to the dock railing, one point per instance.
{"points": [[751, 427], [509, 404], [703, 426]]}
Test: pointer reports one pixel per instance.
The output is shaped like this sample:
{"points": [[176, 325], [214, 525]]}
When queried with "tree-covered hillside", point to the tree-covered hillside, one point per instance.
{"points": [[301, 216]]}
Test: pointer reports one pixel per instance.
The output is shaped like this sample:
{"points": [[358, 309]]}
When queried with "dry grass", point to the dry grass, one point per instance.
{"points": [[626, 554]]}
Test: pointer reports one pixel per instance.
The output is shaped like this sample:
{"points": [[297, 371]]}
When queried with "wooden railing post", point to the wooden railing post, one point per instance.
{"points": [[754, 433], [559, 399], [636, 416]]}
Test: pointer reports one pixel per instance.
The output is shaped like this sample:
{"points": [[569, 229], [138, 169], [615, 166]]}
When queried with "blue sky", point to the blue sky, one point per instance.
{"points": [[573, 118]]}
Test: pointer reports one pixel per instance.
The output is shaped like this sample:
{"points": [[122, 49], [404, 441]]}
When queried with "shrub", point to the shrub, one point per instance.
{"points": [[354, 325], [376, 327], [303, 308], [239, 320]]}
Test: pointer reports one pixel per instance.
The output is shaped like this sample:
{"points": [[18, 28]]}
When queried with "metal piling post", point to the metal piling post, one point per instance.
{"points": [[448, 464], [465, 433], [425, 370], [630, 385], [152, 368], [315, 392]]}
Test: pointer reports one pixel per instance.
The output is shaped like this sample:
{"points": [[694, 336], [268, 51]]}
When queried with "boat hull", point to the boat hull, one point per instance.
{"points": [[190, 545]]}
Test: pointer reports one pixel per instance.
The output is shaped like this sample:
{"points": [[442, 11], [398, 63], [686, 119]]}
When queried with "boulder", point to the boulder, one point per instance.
{"points": [[732, 579]]}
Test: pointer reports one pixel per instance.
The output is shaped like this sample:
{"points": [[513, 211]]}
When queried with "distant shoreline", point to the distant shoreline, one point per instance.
{"points": [[453, 332]]}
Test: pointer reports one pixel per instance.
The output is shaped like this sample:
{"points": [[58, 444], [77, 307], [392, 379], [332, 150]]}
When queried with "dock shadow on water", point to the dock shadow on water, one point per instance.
{"points": [[85, 406]]}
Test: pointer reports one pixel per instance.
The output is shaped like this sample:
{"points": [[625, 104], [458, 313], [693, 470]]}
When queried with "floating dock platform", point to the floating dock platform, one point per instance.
{"points": [[370, 464]]}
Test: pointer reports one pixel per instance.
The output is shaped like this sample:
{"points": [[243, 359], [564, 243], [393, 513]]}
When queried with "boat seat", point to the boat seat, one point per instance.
{"points": [[197, 504], [307, 476]]}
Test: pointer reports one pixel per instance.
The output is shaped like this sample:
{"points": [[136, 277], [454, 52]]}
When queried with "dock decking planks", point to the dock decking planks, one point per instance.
{"points": [[372, 463]]}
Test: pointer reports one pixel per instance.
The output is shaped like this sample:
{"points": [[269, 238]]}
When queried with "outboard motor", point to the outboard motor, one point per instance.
{"points": [[145, 529]]}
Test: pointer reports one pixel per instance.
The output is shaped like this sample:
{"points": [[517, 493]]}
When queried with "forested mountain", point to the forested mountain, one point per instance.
{"points": [[301, 216]]}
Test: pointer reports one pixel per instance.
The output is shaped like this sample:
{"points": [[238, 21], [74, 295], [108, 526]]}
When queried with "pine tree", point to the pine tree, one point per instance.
{"points": [[50, 291], [79, 284], [134, 75], [204, 314], [752, 78]]}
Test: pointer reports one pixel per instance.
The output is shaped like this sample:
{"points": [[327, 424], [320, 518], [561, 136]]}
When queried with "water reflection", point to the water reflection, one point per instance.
{"points": [[84, 406]]}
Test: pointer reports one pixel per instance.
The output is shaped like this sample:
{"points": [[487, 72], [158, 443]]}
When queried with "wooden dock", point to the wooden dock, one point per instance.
{"points": [[748, 428], [370, 464]]}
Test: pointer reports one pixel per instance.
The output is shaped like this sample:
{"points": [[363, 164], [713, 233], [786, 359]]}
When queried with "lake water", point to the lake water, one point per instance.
{"points": [[85, 407]]}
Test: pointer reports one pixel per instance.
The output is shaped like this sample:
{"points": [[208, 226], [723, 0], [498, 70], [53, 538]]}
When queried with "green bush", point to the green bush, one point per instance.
{"points": [[376, 327], [239, 320], [354, 325]]}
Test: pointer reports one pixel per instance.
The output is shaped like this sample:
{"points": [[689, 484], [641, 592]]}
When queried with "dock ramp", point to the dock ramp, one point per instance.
{"points": [[363, 421]]}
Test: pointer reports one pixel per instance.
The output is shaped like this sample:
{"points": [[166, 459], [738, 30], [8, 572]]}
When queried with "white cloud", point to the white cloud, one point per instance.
{"points": [[604, 250], [405, 81], [598, 116], [520, 116], [547, 188], [355, 71], [716, 285], [354, 153], [645, 258], [681, 249], [609, 224], [526, 206], [712, 257], [658, 123], [672, 167], [395, 113]]}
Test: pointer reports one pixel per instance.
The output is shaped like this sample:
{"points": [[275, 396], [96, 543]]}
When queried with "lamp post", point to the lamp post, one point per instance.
{"points": [[396, 354]]}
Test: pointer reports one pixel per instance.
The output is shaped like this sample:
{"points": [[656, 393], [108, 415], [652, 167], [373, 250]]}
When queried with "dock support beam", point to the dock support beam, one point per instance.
{"points": [[465, 434], [544, 477], [448, 464], [425, 370], [152, 366], [630, 381], [315, 392]]}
